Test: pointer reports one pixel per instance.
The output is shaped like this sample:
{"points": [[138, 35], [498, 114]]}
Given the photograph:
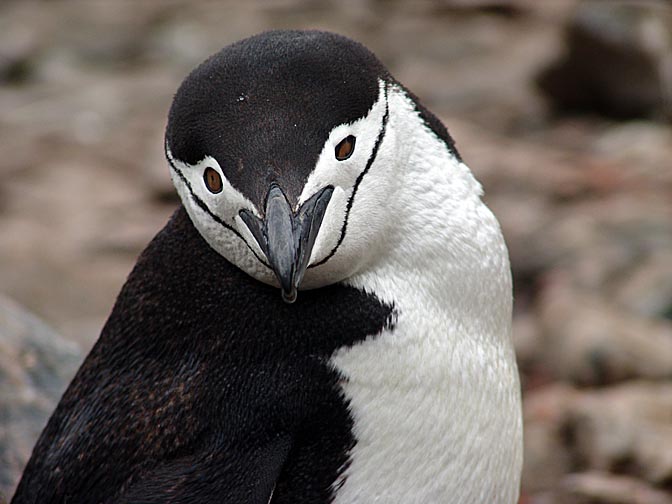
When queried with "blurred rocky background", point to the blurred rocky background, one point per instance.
{"points": [[563, 109]]}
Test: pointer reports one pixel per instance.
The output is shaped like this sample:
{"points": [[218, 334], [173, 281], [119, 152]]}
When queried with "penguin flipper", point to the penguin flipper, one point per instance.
{"points": [[223, 475]]}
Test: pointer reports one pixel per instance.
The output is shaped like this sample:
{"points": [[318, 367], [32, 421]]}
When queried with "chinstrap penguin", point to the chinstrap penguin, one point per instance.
{"points": [[325, 319]]}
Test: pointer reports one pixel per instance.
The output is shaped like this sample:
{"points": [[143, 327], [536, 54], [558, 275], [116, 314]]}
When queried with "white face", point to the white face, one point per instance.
{"points": [[354, 221]]}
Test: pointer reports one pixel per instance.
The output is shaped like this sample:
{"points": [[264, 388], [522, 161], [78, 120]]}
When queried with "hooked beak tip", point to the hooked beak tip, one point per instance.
{"points": [[289, 297]]}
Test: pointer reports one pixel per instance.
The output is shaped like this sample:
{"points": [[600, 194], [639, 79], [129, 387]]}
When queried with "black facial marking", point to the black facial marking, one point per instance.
{"points": [[202, 205], [360, 177], [204, 386], [264, 107]]}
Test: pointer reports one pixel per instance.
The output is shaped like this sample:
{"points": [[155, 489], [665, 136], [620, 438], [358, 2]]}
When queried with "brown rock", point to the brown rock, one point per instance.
{"points": [[626, 428], [618, 60], [588, 340], [596, 488], [546, 457]]}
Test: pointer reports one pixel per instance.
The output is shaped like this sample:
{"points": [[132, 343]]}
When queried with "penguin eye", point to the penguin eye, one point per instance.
{"points": [[345, 148], [212, 180]]}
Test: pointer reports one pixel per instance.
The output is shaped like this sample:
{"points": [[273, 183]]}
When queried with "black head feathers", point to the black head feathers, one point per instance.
{"points": [[266, 104]]}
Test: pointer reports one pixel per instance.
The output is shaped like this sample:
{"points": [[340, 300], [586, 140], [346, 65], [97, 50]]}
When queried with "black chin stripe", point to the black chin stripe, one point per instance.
{"points": [[372, 158], [212, 215]]}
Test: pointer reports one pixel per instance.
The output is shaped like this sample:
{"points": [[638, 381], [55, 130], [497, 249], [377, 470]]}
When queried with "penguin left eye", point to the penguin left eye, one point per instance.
{"points": [[345, 148], [212, 180]]}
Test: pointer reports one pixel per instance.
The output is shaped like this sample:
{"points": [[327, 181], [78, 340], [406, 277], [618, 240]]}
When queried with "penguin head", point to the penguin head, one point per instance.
{"points": [[269, 142]]}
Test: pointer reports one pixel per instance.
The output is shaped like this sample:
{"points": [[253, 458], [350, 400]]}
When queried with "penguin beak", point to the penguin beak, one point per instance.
{"points": [[287, 238]]}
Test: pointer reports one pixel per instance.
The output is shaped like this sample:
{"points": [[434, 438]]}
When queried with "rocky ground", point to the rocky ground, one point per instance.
{"points": [[562, 108]]}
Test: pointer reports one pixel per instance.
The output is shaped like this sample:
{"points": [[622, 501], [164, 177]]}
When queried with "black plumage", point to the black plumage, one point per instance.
{"points": [[204, 387]]}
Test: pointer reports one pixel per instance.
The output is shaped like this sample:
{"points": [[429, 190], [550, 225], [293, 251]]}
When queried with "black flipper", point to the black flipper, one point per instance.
{"points": [[219, 475]]}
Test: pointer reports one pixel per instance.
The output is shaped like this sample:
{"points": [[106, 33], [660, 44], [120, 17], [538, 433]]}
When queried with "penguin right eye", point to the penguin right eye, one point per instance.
{"points": [[212, 180], [345, 148]]}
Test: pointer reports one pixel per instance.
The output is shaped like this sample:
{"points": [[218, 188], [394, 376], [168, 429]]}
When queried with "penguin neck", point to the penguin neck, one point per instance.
{"points": [[447, 365], [443, 249], [443, 264]]}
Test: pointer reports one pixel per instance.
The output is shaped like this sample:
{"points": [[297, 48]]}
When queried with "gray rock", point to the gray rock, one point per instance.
{"points": [[36, 364], [618, 62]]}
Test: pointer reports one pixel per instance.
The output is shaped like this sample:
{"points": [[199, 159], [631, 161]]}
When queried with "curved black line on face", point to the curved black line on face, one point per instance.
{"points": [[207, 210], [369, 163]]}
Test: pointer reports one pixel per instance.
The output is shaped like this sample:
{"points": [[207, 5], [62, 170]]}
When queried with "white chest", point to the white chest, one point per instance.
{"points": [[437, 414]]}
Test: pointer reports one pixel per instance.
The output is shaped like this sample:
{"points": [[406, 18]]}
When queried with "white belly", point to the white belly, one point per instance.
{"points": [[435, 422]]}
